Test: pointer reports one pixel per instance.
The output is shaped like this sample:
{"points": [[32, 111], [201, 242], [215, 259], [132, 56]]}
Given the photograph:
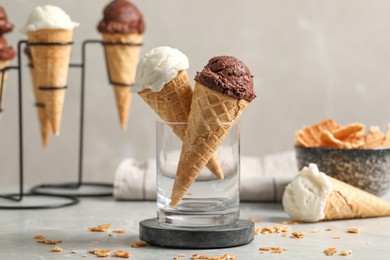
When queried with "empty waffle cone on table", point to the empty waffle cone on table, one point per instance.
{"points": [[122, 29], [222, 91], [50, 34], [163, 83], [6, 52]]}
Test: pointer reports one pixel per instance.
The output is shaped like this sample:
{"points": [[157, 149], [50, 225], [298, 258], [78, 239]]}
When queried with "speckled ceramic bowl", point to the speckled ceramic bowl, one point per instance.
{"points": [[367, 169]]}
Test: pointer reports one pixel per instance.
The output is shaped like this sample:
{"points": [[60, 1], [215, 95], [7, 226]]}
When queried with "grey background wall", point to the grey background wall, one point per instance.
{"points": [[311, 60]]}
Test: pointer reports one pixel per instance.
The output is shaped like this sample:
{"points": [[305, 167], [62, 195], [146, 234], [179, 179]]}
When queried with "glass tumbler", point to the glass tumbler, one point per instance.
{"points": [[209, 201]]}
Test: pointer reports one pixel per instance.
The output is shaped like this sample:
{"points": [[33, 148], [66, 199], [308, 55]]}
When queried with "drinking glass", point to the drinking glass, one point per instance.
{"points": [[209, 201]]}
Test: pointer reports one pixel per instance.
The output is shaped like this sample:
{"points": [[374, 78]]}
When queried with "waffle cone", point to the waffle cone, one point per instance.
{"points": [[173, 104], [210, 120], [122, 63], [123, 100], [44, 121], [3, 64], [346, 202], [51, 64]]}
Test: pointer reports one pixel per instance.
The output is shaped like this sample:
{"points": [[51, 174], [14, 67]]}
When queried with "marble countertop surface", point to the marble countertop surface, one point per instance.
{"points": [[18, 228]]}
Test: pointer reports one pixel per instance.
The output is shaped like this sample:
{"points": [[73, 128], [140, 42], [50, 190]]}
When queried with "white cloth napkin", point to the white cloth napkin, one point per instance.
{"points": [[261, 179]]}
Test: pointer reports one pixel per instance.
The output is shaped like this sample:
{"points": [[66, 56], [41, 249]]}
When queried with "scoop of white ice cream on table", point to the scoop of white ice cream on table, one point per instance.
{"points": [[313, 196]]}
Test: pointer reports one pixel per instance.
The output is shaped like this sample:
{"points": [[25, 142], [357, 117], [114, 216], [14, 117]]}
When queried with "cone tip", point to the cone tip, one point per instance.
{"points": [[123, 127], [45, 141], [173, 204]]}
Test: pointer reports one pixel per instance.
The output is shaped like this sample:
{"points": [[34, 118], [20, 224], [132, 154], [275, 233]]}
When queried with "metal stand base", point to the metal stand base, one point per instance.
{"points": [[151, 231], [72, 189], [65, 201]]}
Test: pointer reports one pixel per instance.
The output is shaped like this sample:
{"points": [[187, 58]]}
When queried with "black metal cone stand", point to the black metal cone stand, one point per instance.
{"points": [[73, 188], [16, 198]]}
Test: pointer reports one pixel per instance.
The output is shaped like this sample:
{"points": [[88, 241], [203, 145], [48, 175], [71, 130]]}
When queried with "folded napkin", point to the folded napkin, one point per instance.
{"points": [[261, 179]]}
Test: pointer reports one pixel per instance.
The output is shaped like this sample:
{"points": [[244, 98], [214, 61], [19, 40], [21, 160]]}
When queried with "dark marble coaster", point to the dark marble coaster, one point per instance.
{"points": [[151, 231]]}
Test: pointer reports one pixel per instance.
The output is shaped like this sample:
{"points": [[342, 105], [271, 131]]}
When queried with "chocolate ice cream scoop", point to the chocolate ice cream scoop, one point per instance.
{"points": [[229, 76], [27, 51], [6, 52], [5, 26], [122, 16]]}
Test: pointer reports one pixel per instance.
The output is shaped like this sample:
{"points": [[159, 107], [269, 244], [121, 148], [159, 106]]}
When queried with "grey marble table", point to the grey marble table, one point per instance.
{"points": [[18, 227]]}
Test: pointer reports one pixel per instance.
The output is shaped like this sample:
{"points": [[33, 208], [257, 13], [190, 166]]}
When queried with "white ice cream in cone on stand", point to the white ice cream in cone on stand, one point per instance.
{"points": [[313, 196], [163, 83], [47, 26], [222, 91], [122, 30]]}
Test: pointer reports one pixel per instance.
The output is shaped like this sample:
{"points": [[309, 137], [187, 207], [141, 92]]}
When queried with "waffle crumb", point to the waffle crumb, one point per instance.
{"points": [[336, 237], [109, 234], [100, 228], [137, 244], [179, 257], [119, 231], [275, 229], [222, 257], [284, 234], [100, 252], [274, 250], [74, 252], [315, 230], [56, 249], [49, 241], [122, 254], [282, 228], [346, 252], [328, 229], [39, 237], [353, 230], [297, 235], [330, 251]]}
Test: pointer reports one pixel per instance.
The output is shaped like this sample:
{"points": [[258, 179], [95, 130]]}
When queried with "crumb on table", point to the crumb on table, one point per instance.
{"points": [[100, 228], [137, 244], [353, 230], [330, 251]]}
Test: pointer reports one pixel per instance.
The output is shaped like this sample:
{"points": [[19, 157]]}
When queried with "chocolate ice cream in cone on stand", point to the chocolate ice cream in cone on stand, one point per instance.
{"points": [[313, 196], [6, 52], [50, 34], [44, 121], [163, 83], [223, 89], [122, 30]]}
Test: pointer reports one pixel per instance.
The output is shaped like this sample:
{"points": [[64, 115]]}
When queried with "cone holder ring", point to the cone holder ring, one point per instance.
{"points": [[129, 44], [39, 105], [52, 88]]}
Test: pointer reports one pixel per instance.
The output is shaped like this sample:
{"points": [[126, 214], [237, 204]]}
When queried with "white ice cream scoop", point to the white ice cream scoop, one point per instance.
{"points": [[49, 17], [306, 196], [159, 66]]}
